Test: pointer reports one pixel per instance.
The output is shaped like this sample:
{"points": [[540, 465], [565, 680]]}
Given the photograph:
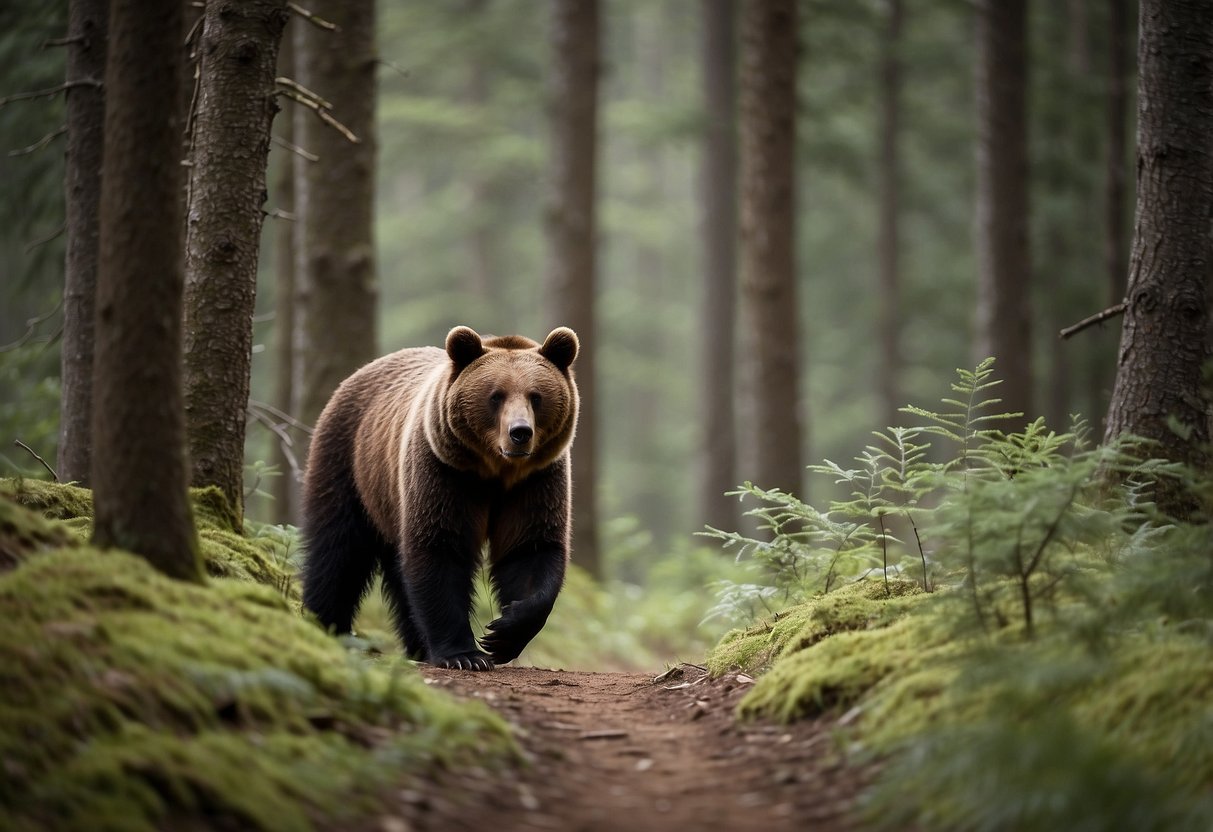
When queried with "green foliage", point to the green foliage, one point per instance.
{"points": [[1059, 674], [132, 701], [29, 409]]}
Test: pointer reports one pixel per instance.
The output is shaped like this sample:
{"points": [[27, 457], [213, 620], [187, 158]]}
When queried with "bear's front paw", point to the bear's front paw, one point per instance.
{"points": [[506, 637], [471, 660]]}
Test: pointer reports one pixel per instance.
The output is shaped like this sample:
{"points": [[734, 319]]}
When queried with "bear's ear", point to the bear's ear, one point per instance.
{"points": [[463, 345], [560, 347]]}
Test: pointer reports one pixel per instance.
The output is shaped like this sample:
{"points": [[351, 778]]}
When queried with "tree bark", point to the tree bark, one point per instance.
{"points": [[335, 285], [1004, 263], [139, 466], [285, 488], [572, 239], [86, 31], [718, 179], [888, 243], [1162, 343], [231, 142], [768, 263]]}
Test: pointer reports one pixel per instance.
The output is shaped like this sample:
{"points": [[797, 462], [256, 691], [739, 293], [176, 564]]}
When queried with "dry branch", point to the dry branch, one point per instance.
{"points": [[293, 148], [302, 95], [53, 42], [41, 143], [1110, 312], [49, 91], [32, 453], [44, 240], [316, 21]]}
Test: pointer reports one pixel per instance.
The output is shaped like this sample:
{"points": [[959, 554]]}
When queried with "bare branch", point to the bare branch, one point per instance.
{"points": [[317, 105], [1110, 312], [41, 143], [279, 214], [294, 148], [319, 22], [21, 444], [53, 42], [284, 440], [46, 93], [31, 326], [404, 73], [46, 239], [292, 84], [285, 417]]}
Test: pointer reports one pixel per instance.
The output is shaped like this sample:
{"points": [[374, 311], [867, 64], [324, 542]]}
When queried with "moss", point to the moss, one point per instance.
{"points": [[132, 701], [226, 551], [23, 532], [858, 606]]}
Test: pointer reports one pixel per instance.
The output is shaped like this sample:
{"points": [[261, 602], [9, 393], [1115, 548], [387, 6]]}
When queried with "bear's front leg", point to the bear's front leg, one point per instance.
{"points": [[527, 581], [438, 583]]}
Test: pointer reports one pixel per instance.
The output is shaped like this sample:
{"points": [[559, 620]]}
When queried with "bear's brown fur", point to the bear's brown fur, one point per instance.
{"points": [[421, 458]]}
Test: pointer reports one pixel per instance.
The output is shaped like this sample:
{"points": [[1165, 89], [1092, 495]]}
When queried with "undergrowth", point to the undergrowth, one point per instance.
{"points": [[131, 701], [1051, 668]]}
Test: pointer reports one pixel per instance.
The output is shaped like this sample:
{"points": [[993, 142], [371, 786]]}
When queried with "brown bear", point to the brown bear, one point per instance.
{"points": [[421, 458]]}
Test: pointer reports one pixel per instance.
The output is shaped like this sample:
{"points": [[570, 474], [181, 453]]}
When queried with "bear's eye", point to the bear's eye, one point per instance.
{"points": [[536, 399], [497, 398]]}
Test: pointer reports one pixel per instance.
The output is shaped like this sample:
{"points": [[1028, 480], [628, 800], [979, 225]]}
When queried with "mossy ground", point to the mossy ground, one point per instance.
{"points": [[132, 701], [1135, 708]]}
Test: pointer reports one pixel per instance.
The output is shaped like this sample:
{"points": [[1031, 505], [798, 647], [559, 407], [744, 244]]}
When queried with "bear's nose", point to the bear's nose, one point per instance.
{"points": [[521, 433]]}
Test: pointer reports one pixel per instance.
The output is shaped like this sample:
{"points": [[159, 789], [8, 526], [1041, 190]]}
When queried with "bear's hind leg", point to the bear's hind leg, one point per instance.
{"points": [[398, 603], [343, 550]]}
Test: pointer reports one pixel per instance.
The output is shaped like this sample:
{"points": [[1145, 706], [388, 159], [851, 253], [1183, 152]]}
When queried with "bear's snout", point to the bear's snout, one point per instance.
{"points": [[521, 433]]}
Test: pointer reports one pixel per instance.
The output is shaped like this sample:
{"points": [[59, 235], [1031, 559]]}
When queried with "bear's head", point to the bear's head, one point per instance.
{"points": [[511, 402]]}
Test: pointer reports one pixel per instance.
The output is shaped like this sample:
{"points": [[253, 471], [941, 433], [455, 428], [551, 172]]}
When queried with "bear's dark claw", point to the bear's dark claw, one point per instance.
{"points": [[475, 660]]}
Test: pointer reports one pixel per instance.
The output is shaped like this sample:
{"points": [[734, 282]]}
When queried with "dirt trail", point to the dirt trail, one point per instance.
{"points": [[614, 751]]}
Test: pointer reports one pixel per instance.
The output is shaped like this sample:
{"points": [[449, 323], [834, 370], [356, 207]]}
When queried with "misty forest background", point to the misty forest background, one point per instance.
{"points": [[462, 174]]}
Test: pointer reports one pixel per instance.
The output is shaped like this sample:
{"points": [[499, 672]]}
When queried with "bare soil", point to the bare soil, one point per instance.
{"points": [[616, 751]]}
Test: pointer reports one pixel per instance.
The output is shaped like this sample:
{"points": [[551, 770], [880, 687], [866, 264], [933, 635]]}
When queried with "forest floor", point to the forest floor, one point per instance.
{"points": [[616, 751]]}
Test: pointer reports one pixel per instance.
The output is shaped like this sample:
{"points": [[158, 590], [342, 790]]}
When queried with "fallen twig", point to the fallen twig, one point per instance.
{"points": [[34, 454]]}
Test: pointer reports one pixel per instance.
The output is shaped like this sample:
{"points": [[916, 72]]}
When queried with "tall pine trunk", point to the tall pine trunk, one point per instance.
{"points": [[888, 244], [1004, 263], [718, 180], [1163, 339], [86, 29], [572, 240], [139, 466], [231, 141], [336, 295], [769, 320], [285, 488]]}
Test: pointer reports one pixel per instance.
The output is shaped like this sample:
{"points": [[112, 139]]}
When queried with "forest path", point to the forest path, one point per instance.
{"points": [[616, 751]]}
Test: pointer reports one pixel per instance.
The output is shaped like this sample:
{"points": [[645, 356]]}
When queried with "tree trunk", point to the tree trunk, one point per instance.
{"points": [[572, 240], [888, 373], [335, 285], [1004, 264], [231, 142], [285, 488], [768, 221], [1162, 342], [139, 467], [718, 179], [87, 21]]}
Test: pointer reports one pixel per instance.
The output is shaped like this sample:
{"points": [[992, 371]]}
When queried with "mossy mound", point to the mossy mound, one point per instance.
{"points": [[131, 701], [226, 550], [860, 606]]}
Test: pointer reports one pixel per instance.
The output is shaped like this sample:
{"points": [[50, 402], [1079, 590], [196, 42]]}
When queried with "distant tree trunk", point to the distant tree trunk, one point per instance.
{"points": [[888, 373], [1004, 264], [1162, 343], [1116, 242], [572, 240], [231, 142], [335, 286], [768, 254], [482, 245], [285, 488], [718, 179], [139, 467], [86, 30]]}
